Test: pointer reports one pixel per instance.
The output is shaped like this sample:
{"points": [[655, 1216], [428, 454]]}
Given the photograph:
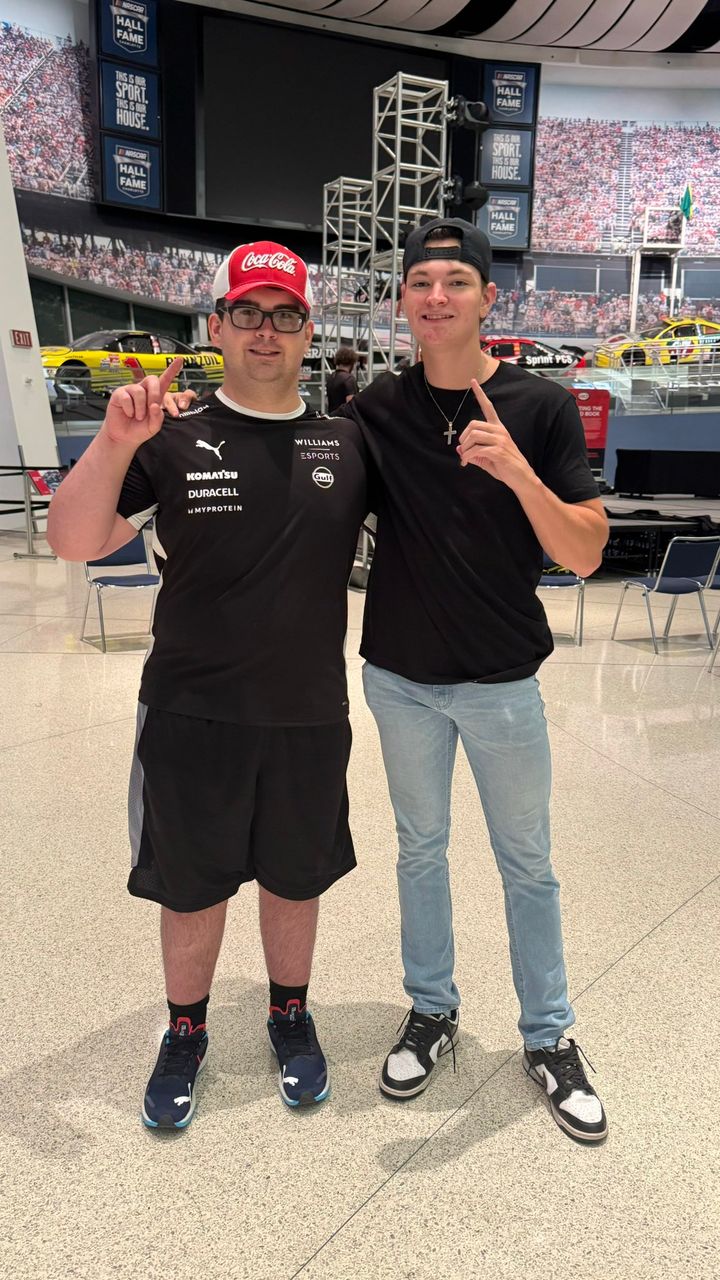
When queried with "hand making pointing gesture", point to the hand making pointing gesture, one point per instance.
{"points": [[488, 444], [135, 411]]}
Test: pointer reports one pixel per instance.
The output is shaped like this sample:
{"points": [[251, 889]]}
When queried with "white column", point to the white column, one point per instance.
{"points": [[25, 416]]}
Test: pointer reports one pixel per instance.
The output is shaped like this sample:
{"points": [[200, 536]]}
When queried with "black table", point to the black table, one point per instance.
{"points": [[650, 471], [649, 546]]}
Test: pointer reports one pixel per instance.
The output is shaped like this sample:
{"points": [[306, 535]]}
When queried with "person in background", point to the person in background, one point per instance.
{"points": [[341, 385]]}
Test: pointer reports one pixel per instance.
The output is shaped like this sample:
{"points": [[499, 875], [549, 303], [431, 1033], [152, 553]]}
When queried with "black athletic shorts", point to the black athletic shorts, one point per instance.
{"points": [[213, 805]]}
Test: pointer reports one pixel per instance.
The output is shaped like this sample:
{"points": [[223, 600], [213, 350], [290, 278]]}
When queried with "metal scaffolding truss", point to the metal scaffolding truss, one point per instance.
{"points": [[363, 222], [347, 246], [663, 234], [408, 184]]}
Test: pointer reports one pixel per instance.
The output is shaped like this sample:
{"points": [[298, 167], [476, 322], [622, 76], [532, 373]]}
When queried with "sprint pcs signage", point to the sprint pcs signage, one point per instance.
{"points": [[130, 96], [510, 91]]}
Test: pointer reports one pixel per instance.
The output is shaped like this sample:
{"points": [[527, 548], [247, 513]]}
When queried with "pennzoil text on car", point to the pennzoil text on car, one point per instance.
{"points": [[101, 361]]}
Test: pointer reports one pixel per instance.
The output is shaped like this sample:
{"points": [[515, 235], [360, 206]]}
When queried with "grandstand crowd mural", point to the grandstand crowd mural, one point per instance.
{"points": [[46, 114], [147, 267], [593, 181]]}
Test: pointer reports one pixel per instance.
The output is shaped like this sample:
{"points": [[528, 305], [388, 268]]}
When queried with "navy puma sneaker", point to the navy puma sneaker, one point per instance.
{"points": [[303, 1077], [169, 1101]]}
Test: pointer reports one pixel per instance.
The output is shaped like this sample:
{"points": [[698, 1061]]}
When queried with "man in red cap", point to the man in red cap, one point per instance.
{"points": [[242, 735]]}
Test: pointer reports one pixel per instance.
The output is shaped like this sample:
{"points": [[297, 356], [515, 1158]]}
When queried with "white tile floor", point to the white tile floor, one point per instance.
{"points": [[472, 1179]]}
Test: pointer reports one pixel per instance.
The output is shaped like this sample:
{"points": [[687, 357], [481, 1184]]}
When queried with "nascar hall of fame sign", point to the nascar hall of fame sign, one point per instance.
{"points": [[129, 30], [509, 91], [130, 100], [505, 219], [131, 173], [506, 157]]}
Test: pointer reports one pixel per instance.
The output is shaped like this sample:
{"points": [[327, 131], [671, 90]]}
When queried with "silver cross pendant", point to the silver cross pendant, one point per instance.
{"points": [[449, 433]]}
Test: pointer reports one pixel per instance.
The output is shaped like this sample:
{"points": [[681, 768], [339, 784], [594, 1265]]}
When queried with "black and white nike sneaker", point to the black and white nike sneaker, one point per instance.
{"points": [[410, 1063], [573, 1101], [169, 1101]]}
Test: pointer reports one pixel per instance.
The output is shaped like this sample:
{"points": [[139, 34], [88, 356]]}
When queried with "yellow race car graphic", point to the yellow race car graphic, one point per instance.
{"points": [[682, 341], [101, 361]]}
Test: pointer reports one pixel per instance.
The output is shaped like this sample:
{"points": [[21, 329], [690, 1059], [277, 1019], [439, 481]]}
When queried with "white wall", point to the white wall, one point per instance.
{"points": [[614, 103], [25, 416]]}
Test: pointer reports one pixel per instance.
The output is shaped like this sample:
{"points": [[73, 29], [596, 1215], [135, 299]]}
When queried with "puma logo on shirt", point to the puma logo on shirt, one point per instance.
{"points": [[202, 444]]}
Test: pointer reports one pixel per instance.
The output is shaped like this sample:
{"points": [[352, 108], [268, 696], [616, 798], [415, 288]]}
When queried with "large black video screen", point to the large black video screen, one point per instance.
{"points": [[287, 110]]}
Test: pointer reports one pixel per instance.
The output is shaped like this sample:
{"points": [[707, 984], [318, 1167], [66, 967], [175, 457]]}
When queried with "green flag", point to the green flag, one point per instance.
{"points": [[687, 207]]}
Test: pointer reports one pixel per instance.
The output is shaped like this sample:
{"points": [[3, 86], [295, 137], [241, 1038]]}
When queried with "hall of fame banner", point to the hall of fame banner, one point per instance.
{"points": [[510, 91], [505, 219], [131, 173], [128, 30]]}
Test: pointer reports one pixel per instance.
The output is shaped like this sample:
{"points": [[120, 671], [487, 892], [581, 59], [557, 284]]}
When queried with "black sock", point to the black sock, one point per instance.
{"points": [[196, 1014], [280, 998]]}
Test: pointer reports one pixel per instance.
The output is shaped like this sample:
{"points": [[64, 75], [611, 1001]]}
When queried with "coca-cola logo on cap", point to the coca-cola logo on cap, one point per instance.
{"points": [[276, 262]]}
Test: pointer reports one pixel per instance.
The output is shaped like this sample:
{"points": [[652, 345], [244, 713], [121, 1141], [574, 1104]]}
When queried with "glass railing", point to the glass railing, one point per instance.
{"points": [[78, 405], [671, 389]]}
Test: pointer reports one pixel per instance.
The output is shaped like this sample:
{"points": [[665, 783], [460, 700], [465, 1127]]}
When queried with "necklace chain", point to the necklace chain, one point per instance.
{"points": [[450, 429]]}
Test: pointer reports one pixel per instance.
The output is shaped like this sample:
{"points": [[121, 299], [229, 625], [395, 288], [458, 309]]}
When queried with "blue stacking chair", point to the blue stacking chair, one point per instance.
{"points": [[688, 566], [560, 581], [135, 553]]}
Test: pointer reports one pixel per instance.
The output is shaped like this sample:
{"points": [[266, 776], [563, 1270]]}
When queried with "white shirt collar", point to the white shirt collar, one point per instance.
{"points": [[255, 413]]}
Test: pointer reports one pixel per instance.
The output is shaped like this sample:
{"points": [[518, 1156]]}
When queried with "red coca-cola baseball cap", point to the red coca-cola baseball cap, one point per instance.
{"points": [[263, 264]]}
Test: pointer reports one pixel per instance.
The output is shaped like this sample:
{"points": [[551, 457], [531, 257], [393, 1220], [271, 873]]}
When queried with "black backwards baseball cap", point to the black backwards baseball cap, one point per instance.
{"points": [[474, 245]]}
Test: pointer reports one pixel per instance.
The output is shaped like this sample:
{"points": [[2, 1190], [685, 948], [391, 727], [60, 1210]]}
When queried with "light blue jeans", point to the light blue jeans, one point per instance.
{"points": [[502, 728]]}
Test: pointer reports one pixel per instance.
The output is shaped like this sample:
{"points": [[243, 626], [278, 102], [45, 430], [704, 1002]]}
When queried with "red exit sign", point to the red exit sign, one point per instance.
{"points": [[21, 337]]}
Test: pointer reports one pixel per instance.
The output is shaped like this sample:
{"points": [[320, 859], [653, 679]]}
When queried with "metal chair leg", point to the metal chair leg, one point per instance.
{"points": [[87, 606], [706, 620], [102, 620], [579, 615], [620, 605], [670, 617], [713, 655], [716, 624], [651, 621]]}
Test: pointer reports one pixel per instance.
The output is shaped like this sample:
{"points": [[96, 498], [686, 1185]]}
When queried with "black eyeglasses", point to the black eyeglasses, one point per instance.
{"points": [[283, 320]]}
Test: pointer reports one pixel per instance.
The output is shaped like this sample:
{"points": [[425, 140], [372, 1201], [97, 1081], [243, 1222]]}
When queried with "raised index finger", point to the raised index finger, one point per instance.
{"points": [[486, 405], [168, 377]]}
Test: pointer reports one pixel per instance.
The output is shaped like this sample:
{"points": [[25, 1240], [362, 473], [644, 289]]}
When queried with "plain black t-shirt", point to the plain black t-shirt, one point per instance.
{"points": [[256, 526], [340, 385], [452, 589]]}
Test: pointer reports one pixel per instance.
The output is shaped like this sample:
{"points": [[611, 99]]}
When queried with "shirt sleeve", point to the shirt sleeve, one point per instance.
{"points": [[565, 468], [138, 501]]}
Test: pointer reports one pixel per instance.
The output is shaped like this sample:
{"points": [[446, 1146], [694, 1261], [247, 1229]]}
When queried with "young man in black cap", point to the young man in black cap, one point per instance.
{"points": [[482, 466], [243, 735]]}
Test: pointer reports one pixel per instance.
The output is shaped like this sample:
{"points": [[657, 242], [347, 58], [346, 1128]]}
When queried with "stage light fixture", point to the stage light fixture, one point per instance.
{"points": [[462, 114], [472, 194]]}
